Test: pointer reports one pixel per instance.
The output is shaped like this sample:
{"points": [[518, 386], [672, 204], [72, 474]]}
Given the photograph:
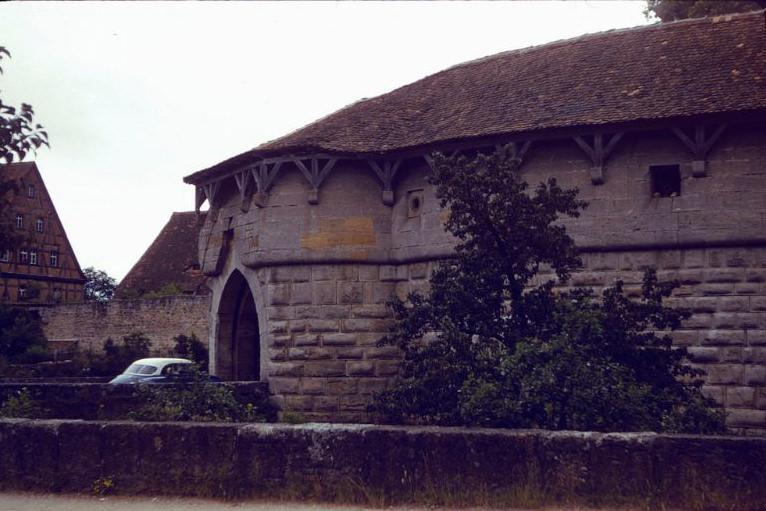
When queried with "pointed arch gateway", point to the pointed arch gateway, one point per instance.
{"points": [[238, 340]]}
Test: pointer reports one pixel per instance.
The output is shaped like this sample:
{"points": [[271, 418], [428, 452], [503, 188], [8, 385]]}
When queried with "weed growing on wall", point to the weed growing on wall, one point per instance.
{"points": [[22, 405], [489, 346]]}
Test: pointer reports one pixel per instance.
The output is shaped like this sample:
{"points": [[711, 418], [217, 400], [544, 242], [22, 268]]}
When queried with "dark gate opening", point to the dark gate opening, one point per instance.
{"points": [[238, 342]]}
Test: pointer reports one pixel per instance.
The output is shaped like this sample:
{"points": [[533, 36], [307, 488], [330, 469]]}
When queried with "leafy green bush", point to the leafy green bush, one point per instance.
{"points": [[198, 400], [20, 331], [192, 348], [116, 357], [487, 347]]}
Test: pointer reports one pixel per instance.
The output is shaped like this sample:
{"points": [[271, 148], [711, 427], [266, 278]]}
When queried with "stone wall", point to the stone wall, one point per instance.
{"points": [[381, 466], [160, 319]]}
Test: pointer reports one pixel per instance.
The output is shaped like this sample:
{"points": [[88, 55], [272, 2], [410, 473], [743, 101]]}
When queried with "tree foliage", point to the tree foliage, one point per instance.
{"points": [[19, 134], [674, 10], [20, 332], [99, 287], [493, 343]]}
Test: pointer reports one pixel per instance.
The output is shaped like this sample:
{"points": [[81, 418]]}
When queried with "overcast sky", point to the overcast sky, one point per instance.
{"points": [[137, 95]]}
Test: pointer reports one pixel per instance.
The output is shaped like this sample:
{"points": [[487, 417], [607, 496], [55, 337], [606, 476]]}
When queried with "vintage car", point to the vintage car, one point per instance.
{"points": [[159, 370]]}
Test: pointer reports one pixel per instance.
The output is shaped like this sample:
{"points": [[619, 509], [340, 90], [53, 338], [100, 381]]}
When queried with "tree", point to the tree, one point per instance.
{"points": [[19, 135], [20, 331], [492, 343], [99, 287], [674, 10]]}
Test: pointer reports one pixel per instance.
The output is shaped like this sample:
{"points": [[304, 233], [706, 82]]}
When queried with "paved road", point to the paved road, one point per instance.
{"points": [[42, 502]]}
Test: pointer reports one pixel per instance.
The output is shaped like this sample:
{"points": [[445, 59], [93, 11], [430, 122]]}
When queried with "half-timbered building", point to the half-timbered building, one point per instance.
{"points": [[40, 268]]}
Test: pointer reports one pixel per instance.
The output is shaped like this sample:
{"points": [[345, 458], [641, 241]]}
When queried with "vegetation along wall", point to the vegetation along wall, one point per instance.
{"points": [[160, 319]]}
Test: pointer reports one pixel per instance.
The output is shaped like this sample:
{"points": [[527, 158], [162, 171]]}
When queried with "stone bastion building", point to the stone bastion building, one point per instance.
{"points": [[662, 128]]}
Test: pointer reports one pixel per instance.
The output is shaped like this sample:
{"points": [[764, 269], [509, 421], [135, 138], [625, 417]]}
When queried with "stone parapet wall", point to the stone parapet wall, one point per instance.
{"points": [[378, 465], [160, 319]]}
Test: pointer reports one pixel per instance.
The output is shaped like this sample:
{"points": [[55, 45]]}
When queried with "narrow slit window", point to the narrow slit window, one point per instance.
{"points": [[666, 180]]}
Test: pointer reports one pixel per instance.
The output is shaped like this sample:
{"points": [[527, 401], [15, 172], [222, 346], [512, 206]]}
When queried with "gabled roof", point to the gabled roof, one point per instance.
{"points": [[171, 258], [662, 71]]}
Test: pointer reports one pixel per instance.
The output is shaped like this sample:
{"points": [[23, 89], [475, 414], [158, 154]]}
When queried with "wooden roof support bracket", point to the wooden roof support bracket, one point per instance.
{"points": [[598, 153], [199, 199], [245, 185], [263, 174], [515, 151], [386, 174], [700, 146], [315, 175], [205, 192]]}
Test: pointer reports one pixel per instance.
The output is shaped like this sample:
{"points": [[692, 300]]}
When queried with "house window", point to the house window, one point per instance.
{"points": [[39, 226], [23, 255], [33, 257], [6, 256], [54, 259], [22, 292], [30, 191], [19, 221], [414, 203], [666, 180]]}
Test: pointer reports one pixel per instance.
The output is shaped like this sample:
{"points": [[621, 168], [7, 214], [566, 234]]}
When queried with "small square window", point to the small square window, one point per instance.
{"points": [[666, 180], [19, 221]]}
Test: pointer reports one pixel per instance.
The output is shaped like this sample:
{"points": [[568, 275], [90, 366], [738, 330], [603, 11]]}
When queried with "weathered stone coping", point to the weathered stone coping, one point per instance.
{"points": [[386, 464]]}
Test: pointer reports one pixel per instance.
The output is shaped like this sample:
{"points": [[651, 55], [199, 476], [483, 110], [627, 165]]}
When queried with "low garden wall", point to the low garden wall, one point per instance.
{"points": [[384, 465]]}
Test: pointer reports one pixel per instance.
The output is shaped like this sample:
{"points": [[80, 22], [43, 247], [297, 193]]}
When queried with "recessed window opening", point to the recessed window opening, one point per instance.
{"points": [[666, 180], [414, 203]]}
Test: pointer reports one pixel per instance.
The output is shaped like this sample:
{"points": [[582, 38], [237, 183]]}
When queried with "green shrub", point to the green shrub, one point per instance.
{"points": [[192, 348], [116, 357], [198, 400], [20, 331]]}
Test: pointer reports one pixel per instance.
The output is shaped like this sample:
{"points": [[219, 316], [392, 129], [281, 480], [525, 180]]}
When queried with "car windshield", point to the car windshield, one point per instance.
{"points": [[141, 369]]}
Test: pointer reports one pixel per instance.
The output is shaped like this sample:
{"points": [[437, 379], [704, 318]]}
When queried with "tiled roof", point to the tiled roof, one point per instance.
{"points": [[171, 258], [12, 171], [661, 71]]}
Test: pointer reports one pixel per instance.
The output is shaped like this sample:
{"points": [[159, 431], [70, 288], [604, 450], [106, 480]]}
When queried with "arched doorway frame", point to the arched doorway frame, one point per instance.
{"points": [[218, 288]]}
